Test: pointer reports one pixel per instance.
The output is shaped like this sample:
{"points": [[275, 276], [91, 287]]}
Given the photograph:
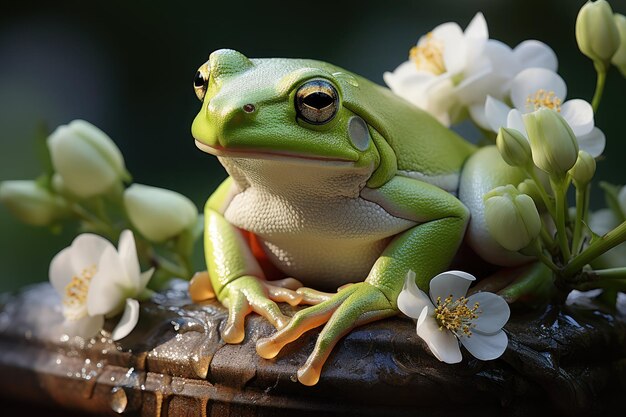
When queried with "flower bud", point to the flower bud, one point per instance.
{"points": [[584, 168], [31, 203], [619, 59], [512, 218], [554, 145], [596, 32], [513, 147], [87, 160], [157, 213], [530, 188]]}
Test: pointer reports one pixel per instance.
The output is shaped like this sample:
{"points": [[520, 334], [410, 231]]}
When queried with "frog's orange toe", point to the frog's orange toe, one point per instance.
{"points": [[266, 348], [200, 287], [309, 375]]}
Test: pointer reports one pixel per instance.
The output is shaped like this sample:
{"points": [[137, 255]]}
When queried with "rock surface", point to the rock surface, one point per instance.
{"points": [[570, 361]]}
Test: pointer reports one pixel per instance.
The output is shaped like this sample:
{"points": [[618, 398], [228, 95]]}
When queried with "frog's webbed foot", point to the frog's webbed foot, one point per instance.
{"points": [[245, 295], [352, 306]]}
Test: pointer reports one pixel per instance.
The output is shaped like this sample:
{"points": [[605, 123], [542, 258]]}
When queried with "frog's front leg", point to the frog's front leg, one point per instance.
{"points": [[236, 277], [427, 248]]}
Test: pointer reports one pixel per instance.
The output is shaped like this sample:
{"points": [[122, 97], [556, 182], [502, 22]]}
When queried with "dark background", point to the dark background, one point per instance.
{"points": [[127, 67]]}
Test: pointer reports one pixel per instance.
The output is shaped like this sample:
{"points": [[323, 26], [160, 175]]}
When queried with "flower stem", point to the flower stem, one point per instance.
{"points": [[616, 273], [596, 248], [582, 205], [597, 96], [561, 232]]}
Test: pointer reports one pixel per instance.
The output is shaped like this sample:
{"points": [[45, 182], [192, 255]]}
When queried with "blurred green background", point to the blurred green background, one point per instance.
{"points": [[127, 67]]}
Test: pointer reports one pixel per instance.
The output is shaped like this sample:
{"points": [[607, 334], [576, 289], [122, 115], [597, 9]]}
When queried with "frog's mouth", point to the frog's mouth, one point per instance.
{"points": [[272, 155]]}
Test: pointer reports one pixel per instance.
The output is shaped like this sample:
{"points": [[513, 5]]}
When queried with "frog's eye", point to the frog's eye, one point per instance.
{"points": [[201, 81], [317, 102]]}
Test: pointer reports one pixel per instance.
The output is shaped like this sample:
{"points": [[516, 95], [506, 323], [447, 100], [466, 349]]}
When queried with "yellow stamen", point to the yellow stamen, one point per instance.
{"points": [[543, 98], [428, 55], [76, 290], [456, 316]]}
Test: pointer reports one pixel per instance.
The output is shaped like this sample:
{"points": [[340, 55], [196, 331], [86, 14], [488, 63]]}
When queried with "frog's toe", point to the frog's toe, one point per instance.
{"points": [[314, 297], [238, 309], [200, 287], [281, 294]]}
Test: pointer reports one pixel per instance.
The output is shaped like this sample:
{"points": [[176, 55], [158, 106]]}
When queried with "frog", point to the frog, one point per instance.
{"points": [[336, 188]]}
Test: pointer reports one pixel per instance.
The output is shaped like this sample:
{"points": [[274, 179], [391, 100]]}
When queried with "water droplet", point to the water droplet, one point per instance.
{"points": [[119, 400]]}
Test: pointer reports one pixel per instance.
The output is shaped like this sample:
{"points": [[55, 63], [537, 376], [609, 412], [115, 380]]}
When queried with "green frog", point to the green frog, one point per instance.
{"points": [[337, 188]]}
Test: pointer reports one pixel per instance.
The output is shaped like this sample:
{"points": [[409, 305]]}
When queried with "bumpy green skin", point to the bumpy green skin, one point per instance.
{"points": [[408, 150]]}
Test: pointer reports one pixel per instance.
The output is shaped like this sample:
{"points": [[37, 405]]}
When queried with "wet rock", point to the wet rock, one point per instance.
{"points": [[569, 360]]}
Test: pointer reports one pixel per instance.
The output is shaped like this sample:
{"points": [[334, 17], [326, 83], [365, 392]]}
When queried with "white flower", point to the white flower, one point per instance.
{"points": [[448, 317], [536, 88], [442, 58], [96, 281], [450, 69]]}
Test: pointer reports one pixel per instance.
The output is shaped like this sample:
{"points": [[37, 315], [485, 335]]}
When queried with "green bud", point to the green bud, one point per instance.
{"points": [[530, 188], [554, 145], [31, 203], [157, 213], [87, 160], [583, 170], [596, 32], [513, 147], [619, 59], [512, 218]]}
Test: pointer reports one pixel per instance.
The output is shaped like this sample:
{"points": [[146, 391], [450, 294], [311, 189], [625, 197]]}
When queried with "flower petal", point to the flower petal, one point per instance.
{"points": [[454, 46], [87, 249], [514, 121], [61, 270], [144, 279], [532, 53], [502, 59], [477, 28], [593, 142], [128, 321], [128, 255], [478, 115], [454, 283], [411, 300], [579, 116], [531, 80], [106, 294], [485, 347], [496, 113], [86, 327], [442, 343], [494, 312]]}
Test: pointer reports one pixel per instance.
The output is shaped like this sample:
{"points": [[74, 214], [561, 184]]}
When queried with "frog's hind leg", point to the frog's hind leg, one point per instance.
{"points": [[484, 171]]}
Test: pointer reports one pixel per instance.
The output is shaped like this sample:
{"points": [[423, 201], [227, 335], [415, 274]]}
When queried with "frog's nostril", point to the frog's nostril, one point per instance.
{"points": [[249, 108]]}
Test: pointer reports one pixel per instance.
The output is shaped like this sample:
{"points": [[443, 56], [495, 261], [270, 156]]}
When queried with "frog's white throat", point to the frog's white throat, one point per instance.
{"points": [[294, 178]]}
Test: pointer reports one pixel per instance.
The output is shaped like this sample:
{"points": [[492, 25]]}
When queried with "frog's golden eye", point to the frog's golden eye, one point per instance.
{"points": [[201, 82], [317, 102]]}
